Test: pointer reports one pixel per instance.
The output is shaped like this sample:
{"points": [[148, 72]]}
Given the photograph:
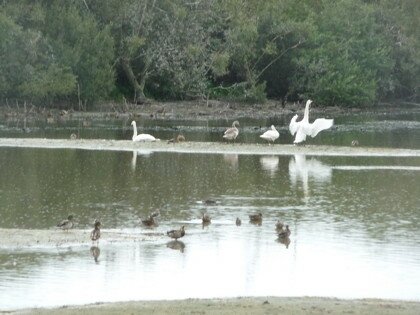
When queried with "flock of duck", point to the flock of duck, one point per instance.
{"points": [[282, 230], [300, 129]]}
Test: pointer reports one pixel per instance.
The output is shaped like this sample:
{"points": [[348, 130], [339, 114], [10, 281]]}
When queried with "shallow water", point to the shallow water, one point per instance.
{"points": [[354, 223]]}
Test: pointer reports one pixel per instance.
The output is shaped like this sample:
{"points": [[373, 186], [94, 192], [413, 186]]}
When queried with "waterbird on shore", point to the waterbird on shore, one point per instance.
{"points": [[238, 222], [303, 128], [270, 135], [285, 232], [150, 221], [209, 202], [66, 224], [279, 226], [256, 218], [176, 233], [95, 235], [233, 132], [143, 137], [206, 218], [177, 139]]}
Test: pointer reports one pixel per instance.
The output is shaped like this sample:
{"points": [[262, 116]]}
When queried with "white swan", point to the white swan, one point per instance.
{"points": [[143, 137], [270, 135], [303, 128]]}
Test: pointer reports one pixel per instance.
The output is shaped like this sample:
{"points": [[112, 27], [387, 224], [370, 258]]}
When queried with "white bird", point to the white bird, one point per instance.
{"points": [[270, 135], [303, 128], [143, 137], [233, 132]]}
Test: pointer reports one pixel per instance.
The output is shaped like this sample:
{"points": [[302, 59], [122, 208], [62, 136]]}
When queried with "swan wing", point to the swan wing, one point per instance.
{"points": [[293, 126], [231, 133], [319, 125], [144, 137], [300, 136]]}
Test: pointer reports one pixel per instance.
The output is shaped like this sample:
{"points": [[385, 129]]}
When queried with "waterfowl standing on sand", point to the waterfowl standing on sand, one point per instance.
{"points": [[176, 233], [285, 232], [66, 224], [177, 139], [150, 221], [279, 226], [238, 222], [270, 135], [95, 235], [233, 132], [143, 137], [303, 128], [206, 218], [256, 218], [209, 202]]}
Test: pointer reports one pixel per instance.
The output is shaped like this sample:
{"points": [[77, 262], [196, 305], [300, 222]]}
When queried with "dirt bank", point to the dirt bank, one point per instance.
{"points": [[204, 147], [254, 306]]}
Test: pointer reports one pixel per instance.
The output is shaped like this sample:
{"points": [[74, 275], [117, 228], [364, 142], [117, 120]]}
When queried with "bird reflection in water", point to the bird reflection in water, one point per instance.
{"points": [[270, 164], [284, 240], [95, 252], [144, 153], [231, 159], [301, 169], [177, 245]]}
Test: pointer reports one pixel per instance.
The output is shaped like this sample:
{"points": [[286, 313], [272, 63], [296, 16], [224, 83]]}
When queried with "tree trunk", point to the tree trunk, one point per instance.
{"points": [[139, 96]]}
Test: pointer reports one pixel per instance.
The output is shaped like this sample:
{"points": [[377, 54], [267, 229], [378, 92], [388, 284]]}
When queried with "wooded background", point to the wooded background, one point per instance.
{"points": [[339, 52]]}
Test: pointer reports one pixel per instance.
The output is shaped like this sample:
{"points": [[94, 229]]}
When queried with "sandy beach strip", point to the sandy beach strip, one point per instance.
{"points": [[205, 147], [248, 305]]}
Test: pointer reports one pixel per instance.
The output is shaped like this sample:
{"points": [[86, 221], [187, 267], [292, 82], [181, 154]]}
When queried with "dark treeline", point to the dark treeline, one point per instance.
{"points": [[339, 52]]}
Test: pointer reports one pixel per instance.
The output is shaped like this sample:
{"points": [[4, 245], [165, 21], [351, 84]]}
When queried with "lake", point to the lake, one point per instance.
{"points": [[354, 220]]}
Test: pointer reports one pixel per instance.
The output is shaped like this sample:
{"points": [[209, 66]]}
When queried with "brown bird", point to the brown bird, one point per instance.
{"points": [[256, 218], [95, 235], [233, 132], [279, 226], [209, 202], [285, 232], [176, 233], [179, 138], [66, 224], [206, 218], [149, 221], [238, 222]]}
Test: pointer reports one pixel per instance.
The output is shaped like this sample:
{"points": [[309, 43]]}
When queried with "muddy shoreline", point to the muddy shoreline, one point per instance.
{"points": [[242, 305]]}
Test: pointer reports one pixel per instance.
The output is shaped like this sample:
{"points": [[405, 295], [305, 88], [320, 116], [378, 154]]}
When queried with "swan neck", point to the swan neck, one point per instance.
{"points": [[134, 129], [306, 113]]}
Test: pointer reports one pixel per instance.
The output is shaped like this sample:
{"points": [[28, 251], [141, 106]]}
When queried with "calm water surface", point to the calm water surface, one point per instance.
{"points": [[354, 223]]}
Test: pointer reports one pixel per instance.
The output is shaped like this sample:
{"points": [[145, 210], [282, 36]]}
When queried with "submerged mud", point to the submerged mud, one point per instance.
{"points": [[204, 147]]}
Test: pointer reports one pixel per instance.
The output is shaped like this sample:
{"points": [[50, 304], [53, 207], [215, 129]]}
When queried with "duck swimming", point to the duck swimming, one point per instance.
{"points": [[256, 218], [285, 232], [279, 226], [176, 233]]}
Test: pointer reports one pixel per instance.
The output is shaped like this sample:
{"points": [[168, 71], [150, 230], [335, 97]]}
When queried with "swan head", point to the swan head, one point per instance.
{"points": [[308, 102], [133, 123], [272, 127], [235, 123]]}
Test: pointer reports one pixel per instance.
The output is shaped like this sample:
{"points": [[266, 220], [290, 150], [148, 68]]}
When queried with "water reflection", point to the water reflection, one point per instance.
{"points": [[270, 164], [144, 153], [176, 245], [301, 169], [284, 240], [231, 159], [95, 252]]}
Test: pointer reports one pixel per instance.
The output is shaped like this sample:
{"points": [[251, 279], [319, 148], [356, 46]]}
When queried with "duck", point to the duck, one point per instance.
{"points": [[176, 233], [279, 226], [270, 135], [285, 232], [255, 218], [238, 222], [303, 128], [354, 143], [206, 218], [95, 235], [209, 202], [66, 224], [233, 132], [149, 221], [177, 139], [143, 137]]}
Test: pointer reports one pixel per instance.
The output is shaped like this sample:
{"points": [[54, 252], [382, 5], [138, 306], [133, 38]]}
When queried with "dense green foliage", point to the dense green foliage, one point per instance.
{"points": [[339, 52]]}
